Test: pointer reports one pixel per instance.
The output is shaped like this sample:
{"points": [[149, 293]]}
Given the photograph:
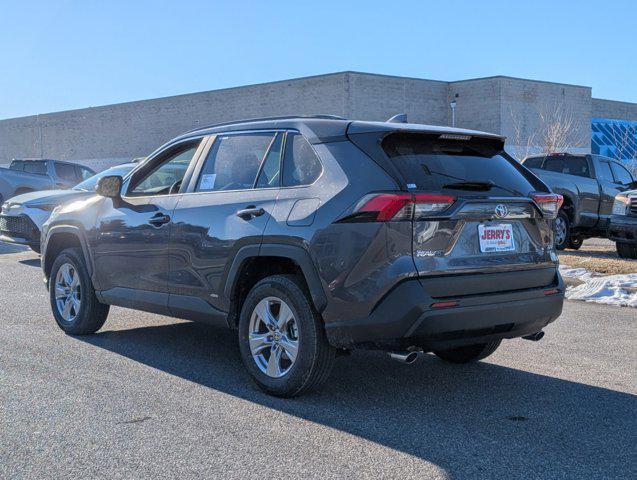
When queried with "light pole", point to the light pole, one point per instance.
{"points": [[453, 112]]}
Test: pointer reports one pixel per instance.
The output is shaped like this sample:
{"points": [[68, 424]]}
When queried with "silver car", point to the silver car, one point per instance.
{"points": [[22, 216]]}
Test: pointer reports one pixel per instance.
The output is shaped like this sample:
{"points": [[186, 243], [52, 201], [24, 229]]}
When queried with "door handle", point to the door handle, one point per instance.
{"points": [[159, 219], [250, 212]]}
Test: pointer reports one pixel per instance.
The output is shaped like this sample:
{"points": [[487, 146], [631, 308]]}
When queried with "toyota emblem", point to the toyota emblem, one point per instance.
{"points": [[501, 211]]}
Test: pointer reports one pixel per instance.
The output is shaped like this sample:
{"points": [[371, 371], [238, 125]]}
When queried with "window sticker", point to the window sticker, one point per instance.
{"points": [[208, 181]]}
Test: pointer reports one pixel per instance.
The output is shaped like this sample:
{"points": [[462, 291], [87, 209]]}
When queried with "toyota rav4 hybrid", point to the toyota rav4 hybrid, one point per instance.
{"points": [[312, 236]]}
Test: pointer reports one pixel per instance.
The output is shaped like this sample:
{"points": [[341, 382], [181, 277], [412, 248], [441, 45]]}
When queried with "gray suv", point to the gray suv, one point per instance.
{"points": [[312, 236]]}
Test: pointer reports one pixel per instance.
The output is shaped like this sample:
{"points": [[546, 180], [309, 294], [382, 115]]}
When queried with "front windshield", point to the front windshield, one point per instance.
{"points": [[89, 184]]}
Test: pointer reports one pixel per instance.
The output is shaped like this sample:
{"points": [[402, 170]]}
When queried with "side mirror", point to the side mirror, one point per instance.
{"points": [[110, 186]]}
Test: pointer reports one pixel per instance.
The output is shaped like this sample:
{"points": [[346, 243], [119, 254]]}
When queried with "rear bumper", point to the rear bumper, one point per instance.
{"points": [[405, 317], [623, 228]]}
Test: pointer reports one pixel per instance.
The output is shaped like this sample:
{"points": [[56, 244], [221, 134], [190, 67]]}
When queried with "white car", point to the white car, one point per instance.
{"points": [[22, 216]]}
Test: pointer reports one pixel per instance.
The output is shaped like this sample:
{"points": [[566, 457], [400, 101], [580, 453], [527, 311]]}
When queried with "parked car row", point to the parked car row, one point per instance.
{"points": [[312, 236], [30, 175], [22, 216]]}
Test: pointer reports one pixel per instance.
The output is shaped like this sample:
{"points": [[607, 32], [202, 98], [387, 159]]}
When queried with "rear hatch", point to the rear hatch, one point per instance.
{"points": [[474, 209]]}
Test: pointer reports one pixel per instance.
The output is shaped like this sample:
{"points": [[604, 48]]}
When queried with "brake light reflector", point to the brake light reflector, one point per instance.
{"points": [[445, 304], [396, 206], [549, 203]]}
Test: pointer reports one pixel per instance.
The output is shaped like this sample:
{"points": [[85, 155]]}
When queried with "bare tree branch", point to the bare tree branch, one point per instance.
{"points": [[556, 130]]}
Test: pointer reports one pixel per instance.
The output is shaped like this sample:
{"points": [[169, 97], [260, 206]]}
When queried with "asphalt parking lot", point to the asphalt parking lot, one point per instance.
{"points": [[153, 397]]}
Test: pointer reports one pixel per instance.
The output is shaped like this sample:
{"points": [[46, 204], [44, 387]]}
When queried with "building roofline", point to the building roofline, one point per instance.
{"points": [[522, 79], [383, 75], [614, 101], [170, 97], [275, 82]]}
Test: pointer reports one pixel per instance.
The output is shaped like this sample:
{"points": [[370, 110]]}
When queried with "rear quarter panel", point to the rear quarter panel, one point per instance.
{"points": [[358, 263]]}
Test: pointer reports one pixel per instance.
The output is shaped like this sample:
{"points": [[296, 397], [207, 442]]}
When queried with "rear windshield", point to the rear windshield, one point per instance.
{"points": [[429, 163], [568, 164], [35, 167]]}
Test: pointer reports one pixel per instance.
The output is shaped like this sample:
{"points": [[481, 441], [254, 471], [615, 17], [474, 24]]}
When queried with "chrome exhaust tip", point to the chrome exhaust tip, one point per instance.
{"points": [[406, 357], [534, 337]]}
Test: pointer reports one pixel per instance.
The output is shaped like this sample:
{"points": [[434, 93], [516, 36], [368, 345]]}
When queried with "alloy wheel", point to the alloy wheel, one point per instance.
{"points": [[68, 292], [273, 336]]}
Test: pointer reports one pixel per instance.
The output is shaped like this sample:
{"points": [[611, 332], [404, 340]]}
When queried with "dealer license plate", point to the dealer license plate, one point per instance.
{"points": [[496, 238]]}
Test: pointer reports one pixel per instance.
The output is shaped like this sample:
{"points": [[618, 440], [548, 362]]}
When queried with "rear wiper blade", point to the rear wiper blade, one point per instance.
{"points": [[476, 186]]}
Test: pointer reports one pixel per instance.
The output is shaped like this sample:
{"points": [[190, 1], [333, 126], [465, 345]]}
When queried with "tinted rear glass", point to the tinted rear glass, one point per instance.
{"points": [[604, 172], [429, 163], [66, 172], [568, 164], [554, 164], [533, 162], [35, 167]]}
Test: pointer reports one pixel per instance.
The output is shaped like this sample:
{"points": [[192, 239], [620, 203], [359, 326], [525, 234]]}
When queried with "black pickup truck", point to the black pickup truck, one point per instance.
{"points": [[588, 184]]}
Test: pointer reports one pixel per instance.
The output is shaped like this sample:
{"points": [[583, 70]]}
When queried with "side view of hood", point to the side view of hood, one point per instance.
{"points": [[43, 197]]}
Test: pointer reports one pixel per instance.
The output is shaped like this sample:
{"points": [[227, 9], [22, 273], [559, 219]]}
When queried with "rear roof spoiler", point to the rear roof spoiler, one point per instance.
{"points": [[357, 127]]}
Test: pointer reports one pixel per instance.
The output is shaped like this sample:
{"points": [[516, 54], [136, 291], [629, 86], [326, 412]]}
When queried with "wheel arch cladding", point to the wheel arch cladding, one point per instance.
{"points": [[292, 259], [61, 238]]}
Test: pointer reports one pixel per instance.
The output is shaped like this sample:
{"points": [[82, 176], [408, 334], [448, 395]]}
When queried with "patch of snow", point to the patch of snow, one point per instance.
{"points": [[620, 290]]}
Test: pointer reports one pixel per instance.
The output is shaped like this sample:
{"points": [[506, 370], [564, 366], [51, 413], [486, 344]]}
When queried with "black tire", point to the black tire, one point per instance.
{"points": [[576, 241], [315, 356], [626, 250], [469, 353], [92, 314], [562, 216], [35, 247]]}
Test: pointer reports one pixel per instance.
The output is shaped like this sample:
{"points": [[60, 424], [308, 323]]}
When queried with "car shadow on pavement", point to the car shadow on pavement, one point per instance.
{"points": [[31, 262], [481, 420]]}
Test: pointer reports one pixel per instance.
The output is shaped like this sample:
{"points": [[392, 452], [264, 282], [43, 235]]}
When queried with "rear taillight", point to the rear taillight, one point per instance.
{"points": [[549, 203], [385, 207]]}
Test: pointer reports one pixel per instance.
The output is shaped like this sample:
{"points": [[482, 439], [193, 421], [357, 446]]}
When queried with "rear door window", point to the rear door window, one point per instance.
{"points": [[576, 166], [234, 162], [66, 172], [301, 166], [604, 172], [427, 162], [270, 174]]}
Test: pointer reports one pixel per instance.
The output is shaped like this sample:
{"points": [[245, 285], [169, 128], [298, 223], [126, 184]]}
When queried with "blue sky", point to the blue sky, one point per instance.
{"points": [[58, 55]]}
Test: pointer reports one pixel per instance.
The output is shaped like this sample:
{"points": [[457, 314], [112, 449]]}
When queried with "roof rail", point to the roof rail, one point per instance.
{"points": [[263, 119]]}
